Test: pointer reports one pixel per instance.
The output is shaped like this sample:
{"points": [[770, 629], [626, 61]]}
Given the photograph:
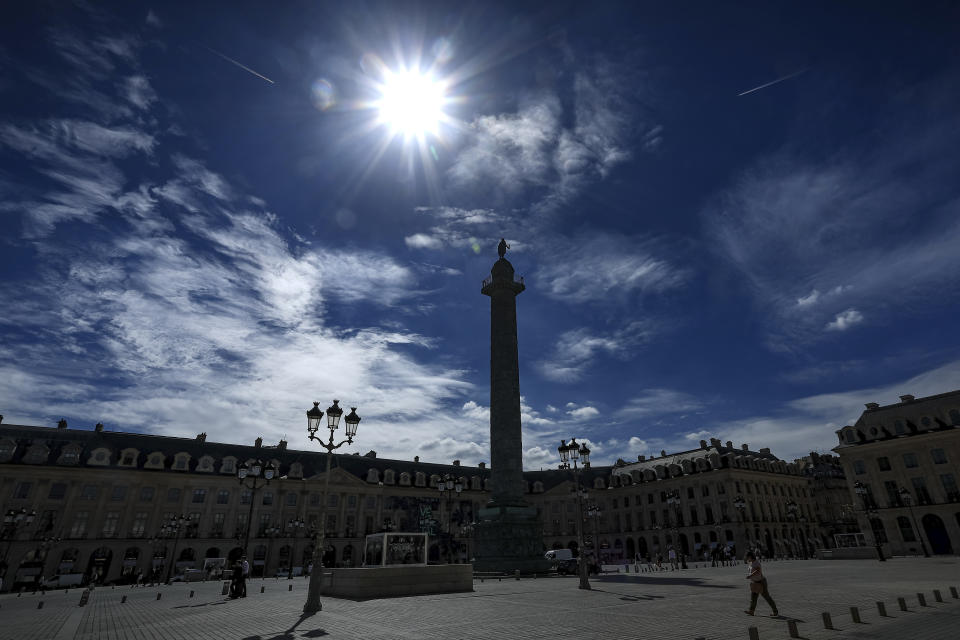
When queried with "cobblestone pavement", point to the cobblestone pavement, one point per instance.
{"points": [[701, 602]]}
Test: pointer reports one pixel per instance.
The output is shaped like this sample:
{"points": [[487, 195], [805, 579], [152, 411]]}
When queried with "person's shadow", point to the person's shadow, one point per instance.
{"points": [[289, 633]]}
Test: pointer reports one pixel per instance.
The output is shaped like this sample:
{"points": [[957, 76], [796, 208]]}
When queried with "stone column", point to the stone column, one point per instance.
{"points": [[506, 448]]}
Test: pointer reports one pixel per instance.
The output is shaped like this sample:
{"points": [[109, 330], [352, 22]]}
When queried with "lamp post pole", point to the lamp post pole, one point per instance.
{"points": [[314, 416], [673, 499], [569, 455], [293, 526], [254, 472], [793, 511], [175, 525], [741, 506], [906, 497], [593, 514], [447, 486], [12, 521], [870, 512]]}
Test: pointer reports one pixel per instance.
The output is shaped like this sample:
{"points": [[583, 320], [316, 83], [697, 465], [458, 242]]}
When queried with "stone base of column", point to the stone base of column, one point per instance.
{"points": [[509, 538]]}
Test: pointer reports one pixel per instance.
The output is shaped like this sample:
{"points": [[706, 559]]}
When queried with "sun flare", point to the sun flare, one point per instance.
{"points": [[412, 103]]}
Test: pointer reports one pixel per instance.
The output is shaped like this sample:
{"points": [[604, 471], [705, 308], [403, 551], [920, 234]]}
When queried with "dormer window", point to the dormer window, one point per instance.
{"points": [[181, 462], [228, 465], [128, 458], [404, 479], [851, 437], [205, 464]]}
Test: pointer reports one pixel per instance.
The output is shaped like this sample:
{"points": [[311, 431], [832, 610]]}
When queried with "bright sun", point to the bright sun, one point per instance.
{"points": [[411, 103]]}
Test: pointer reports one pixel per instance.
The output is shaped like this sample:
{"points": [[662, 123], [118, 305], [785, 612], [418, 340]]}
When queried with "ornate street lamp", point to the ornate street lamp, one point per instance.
{"points": [[173, 527], [871, 513], [570, 454], [254, 472], [907, 498], [741, 506], [447, 487], [793, 512], [673, 500], [293, 526], [12, 521], [314, 417]]}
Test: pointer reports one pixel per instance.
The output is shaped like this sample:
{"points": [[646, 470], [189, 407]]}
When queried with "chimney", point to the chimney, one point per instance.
{"points": [[202, 437], [765, 450], [729, 444], [714, 442], [258, 443], [62, 424], [456, 463], [745, 447], [282, 445], [482, 465], [703, 444], [871, 406], [416, 458], [641, 458], [663, 453], [98, 427], [907, 398], [370, 454]]}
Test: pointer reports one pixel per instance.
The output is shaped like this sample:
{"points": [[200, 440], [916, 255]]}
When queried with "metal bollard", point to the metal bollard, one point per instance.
{"points": [[792, 629], [937, 596], [516, 573], [123, 599], [40, 605], [855, 614], [191, 593], [289, 587], [921, 599], [827, 622], [753, 633], [902, 603], [261, 589], [882, 609], [953, 593], [158, 595]]}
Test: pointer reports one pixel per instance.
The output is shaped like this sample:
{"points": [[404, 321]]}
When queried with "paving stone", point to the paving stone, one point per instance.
{"points": [[704, 602]]}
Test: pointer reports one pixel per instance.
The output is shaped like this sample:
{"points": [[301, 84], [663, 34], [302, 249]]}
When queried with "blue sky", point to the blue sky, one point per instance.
{"points": [[205, 226]]}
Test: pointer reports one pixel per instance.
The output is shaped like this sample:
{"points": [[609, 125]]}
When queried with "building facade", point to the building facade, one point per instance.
{"points": [[902, 463]]}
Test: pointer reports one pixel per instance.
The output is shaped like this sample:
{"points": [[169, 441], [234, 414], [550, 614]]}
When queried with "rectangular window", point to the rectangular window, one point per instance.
{"points": [[649, 498], [638, 500], [950, 487], [690, 494], [705, 490], [193, 526], [89, 492], [223, 496], [110, 524], [332, 500], [893, 494], [267, 497], [139, 524], [264, 523], [79, 527], [883, 463], [246, 496], [119, 494], [22, 491], [351, 502], [57, 491], [920, 490], [173, 494], [371, 502], [315, 500], [694, 516], [241, 524], [653, 519], [199, 496], [859, 467], [748, 487], [709, 514], [939, 456], [332, 524], [216, 530], [910, 460], [721, 488], [146, 494], [292, 498]]}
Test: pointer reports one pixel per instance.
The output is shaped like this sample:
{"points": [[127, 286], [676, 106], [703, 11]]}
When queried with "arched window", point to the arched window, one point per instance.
{"points": [[373, 475], [420, 479], [388, 477], [404, 479]]}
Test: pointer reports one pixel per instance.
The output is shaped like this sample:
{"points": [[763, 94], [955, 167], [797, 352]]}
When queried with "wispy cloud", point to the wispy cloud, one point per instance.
{"points": [[824, 243], [845, 320], [576, 350]]}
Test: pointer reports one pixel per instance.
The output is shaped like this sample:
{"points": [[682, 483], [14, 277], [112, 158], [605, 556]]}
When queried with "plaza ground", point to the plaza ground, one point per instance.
{"points": [[702, 602]]}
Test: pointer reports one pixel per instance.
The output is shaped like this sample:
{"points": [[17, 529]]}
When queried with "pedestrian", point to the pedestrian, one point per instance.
{"points": [[244, 572], [758, 585], [236, 578], [672, 557]]}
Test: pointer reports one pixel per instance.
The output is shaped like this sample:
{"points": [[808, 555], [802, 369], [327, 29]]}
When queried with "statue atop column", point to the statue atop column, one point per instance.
{"points": [[502, 247]]}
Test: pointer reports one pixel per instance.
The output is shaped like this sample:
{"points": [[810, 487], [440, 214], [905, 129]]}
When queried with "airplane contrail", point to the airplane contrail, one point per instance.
{"points": [[764, 86], [244, 67]]}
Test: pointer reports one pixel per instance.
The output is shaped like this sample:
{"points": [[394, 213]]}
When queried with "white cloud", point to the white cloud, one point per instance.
{"points": [[423, 241], [657, 401], [845, 320], [584, 413]]}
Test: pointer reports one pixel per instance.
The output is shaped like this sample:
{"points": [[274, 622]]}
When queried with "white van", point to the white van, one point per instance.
{"points": [[555, 555]]}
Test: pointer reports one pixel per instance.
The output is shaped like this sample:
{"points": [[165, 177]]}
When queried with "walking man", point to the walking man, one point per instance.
{"points": [[758, 585]]}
